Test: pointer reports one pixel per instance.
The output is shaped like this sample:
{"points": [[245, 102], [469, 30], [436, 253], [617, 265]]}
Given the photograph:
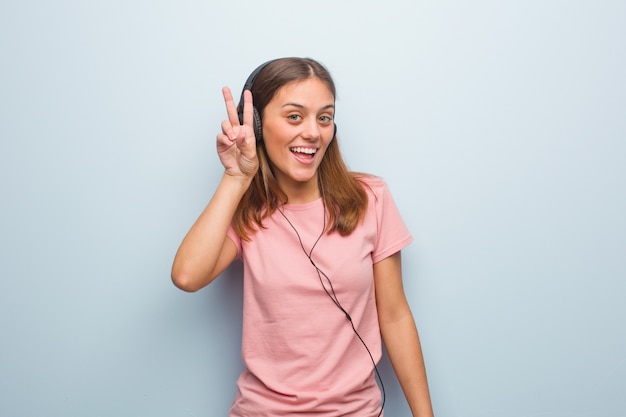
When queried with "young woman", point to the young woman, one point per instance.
{"points": [[321, 252]]}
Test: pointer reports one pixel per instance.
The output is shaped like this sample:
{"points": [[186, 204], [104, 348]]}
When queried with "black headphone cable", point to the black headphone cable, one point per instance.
{"points": [[333, 297]]}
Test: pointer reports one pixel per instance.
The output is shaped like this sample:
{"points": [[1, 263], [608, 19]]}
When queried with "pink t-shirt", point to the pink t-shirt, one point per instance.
{"points": [[299, 350]]}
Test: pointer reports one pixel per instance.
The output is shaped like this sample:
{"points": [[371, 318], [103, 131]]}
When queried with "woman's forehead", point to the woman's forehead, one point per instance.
{"points": [[302, 91]]}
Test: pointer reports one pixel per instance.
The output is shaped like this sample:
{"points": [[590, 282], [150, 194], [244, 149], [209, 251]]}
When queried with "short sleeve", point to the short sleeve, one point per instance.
{"points": [[392, 233], [232, 234]]}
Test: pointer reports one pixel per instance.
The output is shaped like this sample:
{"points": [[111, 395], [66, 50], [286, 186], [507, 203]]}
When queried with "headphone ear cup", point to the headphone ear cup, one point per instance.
{"points": [[256, 123], [258, 126]]}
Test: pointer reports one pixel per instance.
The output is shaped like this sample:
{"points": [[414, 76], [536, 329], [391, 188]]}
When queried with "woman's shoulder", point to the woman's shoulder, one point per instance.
{"points": [[371, 183]]}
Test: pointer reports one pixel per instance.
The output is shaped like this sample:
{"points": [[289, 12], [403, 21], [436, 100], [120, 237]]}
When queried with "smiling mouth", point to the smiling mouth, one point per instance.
{"points": [[304, 151]]}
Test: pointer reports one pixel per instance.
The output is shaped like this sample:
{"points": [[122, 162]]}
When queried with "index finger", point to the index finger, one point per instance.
{"points": [[231, 108]]}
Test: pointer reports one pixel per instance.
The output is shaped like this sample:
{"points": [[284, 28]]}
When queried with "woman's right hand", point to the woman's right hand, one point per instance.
{"points": [[236, 145]]}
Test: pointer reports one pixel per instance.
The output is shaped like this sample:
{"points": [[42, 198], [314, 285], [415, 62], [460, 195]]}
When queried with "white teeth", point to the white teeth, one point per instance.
{"points": [[309, 151]]}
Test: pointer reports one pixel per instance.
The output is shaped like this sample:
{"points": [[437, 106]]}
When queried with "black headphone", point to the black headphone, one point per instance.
{"points": [[258, 125]]}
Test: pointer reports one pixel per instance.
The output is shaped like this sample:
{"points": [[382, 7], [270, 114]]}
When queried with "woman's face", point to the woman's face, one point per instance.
{"points": [[297, 129]]}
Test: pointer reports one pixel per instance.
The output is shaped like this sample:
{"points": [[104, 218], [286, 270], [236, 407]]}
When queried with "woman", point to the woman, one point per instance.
{"points": [[321, 252]]}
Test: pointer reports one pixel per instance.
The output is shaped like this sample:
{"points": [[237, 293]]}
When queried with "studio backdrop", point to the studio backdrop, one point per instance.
{"points": [[499, 127]]}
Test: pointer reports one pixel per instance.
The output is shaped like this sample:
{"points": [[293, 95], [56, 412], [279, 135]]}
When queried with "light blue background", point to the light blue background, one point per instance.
{"points": [[499, 126]]}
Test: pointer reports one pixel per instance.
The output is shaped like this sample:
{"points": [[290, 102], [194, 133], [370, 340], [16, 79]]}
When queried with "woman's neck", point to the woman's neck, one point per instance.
{"points": [[301, 193]]}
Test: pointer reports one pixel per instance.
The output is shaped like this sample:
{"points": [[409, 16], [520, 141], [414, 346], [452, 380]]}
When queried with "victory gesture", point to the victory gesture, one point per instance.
{"points": [[236, 145]]}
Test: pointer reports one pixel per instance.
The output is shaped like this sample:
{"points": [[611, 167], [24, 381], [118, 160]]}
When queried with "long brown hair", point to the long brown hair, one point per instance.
{"points": [[341, 190]]}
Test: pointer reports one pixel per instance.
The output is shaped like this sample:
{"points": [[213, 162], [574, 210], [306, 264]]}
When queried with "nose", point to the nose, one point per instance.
{"points": [[311, 129]]}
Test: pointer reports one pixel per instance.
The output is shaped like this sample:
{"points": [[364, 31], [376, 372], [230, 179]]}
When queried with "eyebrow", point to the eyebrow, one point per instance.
{"points": [[300, 106]]}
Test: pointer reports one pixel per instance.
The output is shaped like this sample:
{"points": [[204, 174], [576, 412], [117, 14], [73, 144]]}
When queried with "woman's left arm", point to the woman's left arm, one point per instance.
{"points": [[399, 333]]}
